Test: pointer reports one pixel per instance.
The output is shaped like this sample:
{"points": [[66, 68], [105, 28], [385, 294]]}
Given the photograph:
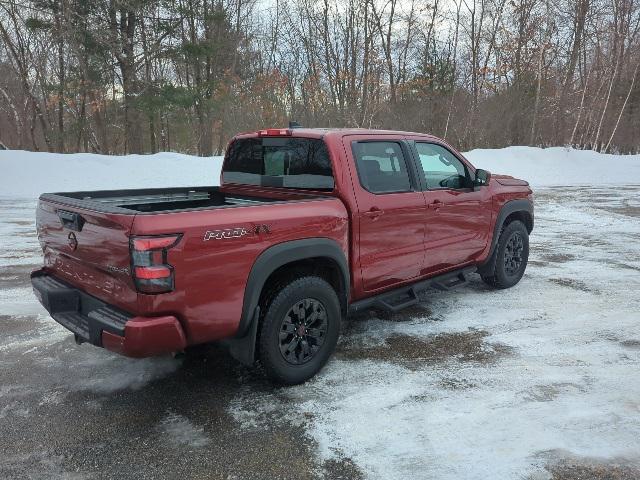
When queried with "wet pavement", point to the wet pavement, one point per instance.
{"points": [[540, 381]]}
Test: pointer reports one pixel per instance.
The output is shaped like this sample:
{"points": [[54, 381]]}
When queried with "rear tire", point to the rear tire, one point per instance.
{"points": [[299, 330], [511, 256]]}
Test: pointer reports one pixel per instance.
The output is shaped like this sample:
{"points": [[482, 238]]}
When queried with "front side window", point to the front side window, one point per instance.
{"points": [[442, 169], [279, 162], [381, 167]]}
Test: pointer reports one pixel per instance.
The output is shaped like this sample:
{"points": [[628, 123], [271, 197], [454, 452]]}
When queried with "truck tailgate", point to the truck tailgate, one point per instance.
{"points": [[89, 250]]}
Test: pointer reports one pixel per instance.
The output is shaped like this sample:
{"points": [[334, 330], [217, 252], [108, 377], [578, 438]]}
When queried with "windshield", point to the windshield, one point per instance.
{"points": [[279, 162]]}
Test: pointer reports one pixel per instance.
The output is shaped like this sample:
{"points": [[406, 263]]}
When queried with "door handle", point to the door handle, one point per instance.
{"points": [[373, 212], [436, 204]]}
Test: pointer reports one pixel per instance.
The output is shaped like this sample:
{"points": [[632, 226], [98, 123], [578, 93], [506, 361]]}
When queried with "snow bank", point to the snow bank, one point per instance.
{"points": [[27, 174], [559, 165]]}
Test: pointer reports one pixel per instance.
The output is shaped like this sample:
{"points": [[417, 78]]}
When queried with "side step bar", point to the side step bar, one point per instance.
{"points": [[451, 281], [403, 297]]}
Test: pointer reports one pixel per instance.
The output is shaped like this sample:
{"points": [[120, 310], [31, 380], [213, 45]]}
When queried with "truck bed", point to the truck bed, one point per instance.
{"points": [[158, 200]]}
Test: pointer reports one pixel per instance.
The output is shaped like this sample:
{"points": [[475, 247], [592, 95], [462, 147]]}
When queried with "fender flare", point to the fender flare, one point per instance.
{"points": [[278, 255], [243, 346], [507, 209]]}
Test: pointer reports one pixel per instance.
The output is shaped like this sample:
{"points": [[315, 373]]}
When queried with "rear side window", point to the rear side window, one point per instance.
{"points": [[279, 162], [381, 167]]}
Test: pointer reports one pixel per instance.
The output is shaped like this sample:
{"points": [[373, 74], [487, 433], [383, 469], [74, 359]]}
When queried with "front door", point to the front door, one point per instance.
{"points": [[391, 210], [458, 216]]}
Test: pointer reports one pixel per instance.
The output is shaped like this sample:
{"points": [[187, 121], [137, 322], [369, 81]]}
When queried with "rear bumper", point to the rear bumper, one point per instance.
{"points": [[94, 321]]}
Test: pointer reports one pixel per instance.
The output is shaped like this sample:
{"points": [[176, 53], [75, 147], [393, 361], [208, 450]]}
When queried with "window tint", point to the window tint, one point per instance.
{"points": [[279, 162], [381, 167], [442, 169]]}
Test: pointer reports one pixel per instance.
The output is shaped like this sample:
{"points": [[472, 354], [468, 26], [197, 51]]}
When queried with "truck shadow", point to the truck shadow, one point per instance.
{"points": [[68, 409]]}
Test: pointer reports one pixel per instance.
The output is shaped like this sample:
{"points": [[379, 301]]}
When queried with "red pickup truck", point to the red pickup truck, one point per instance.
{"points": [[306, 226]]}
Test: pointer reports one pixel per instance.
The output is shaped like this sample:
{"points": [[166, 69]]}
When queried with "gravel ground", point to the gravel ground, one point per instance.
{"points": [[537, 382]]}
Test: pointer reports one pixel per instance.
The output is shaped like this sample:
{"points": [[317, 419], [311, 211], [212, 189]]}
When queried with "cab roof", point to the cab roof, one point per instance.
{"points": [[323, 132]]}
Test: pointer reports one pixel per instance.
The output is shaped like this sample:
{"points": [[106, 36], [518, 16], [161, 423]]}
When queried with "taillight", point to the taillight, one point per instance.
{"points": [[154, 243], [151, 271]]}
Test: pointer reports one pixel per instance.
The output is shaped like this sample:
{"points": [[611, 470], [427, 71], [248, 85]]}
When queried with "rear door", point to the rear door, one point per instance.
{"points": [[89, 250], [458, 217], [391, 210]]}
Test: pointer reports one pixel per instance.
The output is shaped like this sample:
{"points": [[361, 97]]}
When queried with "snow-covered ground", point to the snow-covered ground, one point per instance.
{"points": [[496, 384], [473, 384]]}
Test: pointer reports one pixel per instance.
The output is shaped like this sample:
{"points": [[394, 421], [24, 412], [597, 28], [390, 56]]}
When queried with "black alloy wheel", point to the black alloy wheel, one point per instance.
{"points": [[506, 266], [513, 254], [299, 329], [303, 331]]}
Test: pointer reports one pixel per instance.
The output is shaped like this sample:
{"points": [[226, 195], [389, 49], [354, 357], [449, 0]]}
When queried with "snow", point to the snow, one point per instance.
{"points": [[558, 165], [563, 375], [178, 430], [28, 174]]}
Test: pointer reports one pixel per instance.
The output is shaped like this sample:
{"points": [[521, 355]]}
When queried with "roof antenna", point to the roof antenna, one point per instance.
{"points": [[293, 124]]}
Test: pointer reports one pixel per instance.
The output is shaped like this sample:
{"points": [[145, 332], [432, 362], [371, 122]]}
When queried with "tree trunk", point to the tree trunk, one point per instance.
{"points": [[132, 117], [613, 132], [205, 133], [16, 117], [537, 101], [61, 75], [122, 44], [582, 8]]}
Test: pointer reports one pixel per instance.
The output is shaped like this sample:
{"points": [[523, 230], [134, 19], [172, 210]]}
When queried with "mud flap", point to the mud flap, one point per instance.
{"points": [[487, 268], [243, 349]]}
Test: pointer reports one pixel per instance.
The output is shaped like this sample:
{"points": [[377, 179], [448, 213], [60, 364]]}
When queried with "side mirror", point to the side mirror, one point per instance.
{"points": [[482, 178]]}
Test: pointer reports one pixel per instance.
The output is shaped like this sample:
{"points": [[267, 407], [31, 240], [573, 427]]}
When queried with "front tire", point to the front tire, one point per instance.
{"points": [[511, 256], [299, 330]]}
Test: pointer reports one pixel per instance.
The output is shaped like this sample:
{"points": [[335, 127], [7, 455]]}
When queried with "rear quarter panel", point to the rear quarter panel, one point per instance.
{"points": [[211, 275]]}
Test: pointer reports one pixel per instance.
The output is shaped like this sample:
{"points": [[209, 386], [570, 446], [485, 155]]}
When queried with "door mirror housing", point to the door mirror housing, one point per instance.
{"points": [[482, 178]]}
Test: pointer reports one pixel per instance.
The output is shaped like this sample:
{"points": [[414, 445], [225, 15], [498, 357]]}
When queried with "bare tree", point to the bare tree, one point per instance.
{"points": [[118, 76]]}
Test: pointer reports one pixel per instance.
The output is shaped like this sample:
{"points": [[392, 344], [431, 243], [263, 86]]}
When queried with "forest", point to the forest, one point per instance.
{"points": [[141, 76]]}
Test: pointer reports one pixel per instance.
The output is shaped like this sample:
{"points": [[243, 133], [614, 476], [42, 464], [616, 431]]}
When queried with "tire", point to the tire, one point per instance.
{"points": [[289, 351], [510, 257]]}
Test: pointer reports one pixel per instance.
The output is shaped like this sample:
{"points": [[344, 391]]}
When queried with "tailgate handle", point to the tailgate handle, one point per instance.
{"points": [[71, 220]]}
